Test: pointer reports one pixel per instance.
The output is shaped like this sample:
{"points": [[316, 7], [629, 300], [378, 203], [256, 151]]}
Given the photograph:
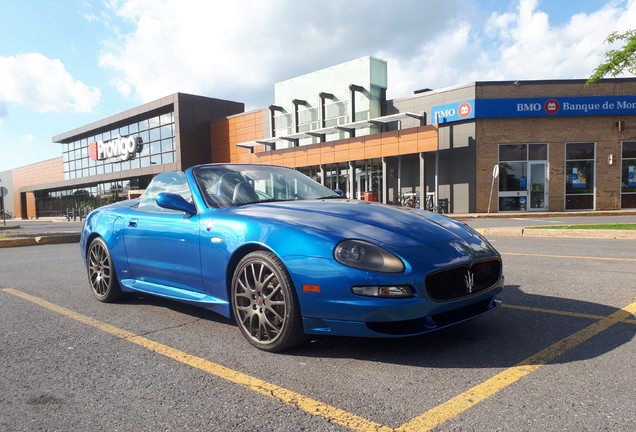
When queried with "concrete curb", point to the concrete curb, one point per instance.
{"points": [[40, 240], [71, 238], [558, 233], [15, 242], [9, 227]]}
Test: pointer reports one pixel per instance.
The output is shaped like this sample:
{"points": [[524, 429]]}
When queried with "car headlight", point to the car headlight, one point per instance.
{"points": [[367, 256]]}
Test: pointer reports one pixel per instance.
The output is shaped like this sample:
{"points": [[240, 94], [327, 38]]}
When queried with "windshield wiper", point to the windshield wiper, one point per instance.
{"points": [[332, 197], [274, 200]]}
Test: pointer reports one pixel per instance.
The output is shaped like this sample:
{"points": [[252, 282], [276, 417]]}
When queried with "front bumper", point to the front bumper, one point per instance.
{"points": [[392, 329]]}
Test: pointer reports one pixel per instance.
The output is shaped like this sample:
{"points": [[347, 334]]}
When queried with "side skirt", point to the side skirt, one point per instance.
{"points": [[215, 304]]}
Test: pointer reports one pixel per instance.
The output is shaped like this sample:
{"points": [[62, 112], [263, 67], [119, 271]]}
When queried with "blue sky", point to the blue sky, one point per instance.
{"points": [[66, 63]]}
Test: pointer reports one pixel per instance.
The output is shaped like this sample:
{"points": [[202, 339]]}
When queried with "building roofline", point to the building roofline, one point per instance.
{"points": [[507, 82], [432, 92], [160, 105], [552, 81], [116, 118]]}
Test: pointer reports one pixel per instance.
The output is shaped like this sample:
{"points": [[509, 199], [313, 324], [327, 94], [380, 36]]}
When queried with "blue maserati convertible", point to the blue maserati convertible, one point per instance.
{"points": [[287, 257]]}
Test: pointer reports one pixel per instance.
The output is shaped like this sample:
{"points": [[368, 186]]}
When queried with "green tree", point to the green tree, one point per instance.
{"points": [[617, 60]]}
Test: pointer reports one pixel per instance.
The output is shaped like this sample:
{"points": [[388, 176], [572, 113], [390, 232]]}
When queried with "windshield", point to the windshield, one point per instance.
{"points": [[233, 185]]}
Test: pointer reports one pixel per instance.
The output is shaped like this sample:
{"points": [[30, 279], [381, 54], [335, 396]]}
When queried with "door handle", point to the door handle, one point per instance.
{"points": [[133, 223]]}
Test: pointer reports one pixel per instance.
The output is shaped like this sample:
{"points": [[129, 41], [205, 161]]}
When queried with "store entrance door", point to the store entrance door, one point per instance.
{"points": [[537, 186], [523, 186], [369, 180]]}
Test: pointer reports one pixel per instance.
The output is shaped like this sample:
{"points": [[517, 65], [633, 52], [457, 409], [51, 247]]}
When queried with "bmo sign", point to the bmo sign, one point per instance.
{"points": [[453, 112], [124, 148], [551, 106]]}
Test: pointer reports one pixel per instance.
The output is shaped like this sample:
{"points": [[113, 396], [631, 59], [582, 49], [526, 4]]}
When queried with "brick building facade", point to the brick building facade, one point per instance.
{"points": [[556, 145]]}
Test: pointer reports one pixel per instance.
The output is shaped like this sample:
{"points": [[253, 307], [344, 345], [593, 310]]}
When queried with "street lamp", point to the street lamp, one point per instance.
{"points": [[3, 191]]}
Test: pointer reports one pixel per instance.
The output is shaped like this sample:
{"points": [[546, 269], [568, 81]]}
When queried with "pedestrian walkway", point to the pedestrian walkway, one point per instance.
{"points": [[59, 230]]}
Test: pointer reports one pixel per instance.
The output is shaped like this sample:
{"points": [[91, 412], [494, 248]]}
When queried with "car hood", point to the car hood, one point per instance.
{"points": [[383, 224]]}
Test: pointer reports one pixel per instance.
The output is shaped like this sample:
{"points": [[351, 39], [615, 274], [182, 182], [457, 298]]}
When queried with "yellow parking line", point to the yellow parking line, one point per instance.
{"points": [[425, 422], [628, 320], [570, 257], [289, 397], [457, 405]]}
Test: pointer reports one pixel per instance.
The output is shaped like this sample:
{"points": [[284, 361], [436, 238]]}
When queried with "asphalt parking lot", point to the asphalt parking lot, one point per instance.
{"points": [[558, 356]]}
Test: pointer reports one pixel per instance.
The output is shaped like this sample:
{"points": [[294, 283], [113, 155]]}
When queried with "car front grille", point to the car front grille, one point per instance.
{"points": [[463, 281]]}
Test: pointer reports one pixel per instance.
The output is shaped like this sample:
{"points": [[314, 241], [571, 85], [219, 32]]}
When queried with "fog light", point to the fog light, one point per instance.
{"points": [[383, 291]]}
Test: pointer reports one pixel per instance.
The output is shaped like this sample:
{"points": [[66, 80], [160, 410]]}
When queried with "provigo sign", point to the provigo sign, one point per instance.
{"points": [[125, 148]]}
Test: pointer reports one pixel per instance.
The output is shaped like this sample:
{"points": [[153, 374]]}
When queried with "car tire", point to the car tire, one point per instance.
{"points": [[264, 303], [101, 273]]}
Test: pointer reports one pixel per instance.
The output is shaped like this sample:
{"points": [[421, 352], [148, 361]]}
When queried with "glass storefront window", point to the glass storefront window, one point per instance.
{"points": [[313, 172], [513, 185], [166, 131], [165, 118], [513, 152], [370, 180], [134, 163], [579, 176], [579, 151], [512, 176], [337, 177], [158, 139], [538, 152], [167, 145], [628, 182], [167, 158], [62, 202], [155, 135], [145, 137], [153, 122]]}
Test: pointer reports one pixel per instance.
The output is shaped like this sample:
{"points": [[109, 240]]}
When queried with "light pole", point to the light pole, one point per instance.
{"points": [[3, 191]]}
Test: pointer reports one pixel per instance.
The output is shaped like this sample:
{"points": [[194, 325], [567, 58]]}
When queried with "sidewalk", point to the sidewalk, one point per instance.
{"points": [[557, 233], [19, 233], [523, 231]]}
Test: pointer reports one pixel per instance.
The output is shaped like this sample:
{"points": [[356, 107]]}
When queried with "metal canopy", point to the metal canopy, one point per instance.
{"points": [[397, 117], [322, 132]]}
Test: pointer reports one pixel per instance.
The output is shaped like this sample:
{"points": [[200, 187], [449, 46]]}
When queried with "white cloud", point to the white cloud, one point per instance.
{"points": [[27, 138], [238, 50], [527, 46], [44, 85], [513, 45]]}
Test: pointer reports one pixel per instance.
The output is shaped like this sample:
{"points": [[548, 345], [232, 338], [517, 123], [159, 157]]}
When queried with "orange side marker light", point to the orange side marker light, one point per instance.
{"points": [[311, 288]]}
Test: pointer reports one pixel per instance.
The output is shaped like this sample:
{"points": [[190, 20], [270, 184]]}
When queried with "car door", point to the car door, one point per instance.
{"points": [[163, 245]]}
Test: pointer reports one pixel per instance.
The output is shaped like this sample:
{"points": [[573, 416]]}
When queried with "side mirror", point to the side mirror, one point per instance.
{"points": [[173, 201], [338, 192]]}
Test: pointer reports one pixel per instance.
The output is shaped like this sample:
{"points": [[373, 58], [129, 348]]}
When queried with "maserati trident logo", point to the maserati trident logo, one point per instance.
{"points": [[469, 278]]}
